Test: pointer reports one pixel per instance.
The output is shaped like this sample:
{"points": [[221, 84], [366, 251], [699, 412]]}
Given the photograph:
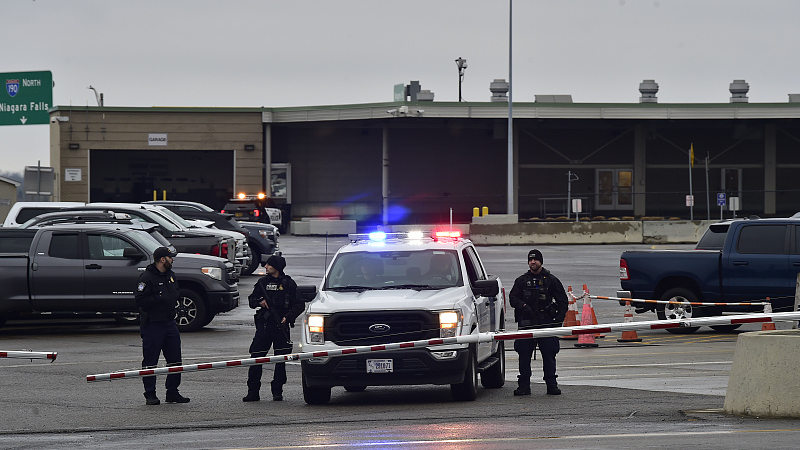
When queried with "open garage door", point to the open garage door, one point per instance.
{"points": [[134, 175]]}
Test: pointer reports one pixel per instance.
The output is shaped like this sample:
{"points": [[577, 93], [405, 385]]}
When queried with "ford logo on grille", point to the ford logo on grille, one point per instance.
{"points": [[379, 328]]}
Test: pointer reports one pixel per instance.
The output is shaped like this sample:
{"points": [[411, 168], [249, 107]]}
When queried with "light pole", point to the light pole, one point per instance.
{"points": [[99, 96], [462, 65]]}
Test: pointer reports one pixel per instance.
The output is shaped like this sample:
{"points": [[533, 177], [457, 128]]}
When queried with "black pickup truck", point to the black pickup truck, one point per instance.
{"points": [[91, 268]]}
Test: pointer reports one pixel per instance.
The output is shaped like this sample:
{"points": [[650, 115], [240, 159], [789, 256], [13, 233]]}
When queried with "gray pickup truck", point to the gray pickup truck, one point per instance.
{"points": [[90, 269]]}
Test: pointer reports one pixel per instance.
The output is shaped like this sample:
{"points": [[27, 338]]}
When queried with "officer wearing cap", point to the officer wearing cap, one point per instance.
{"points": [[157, 296], [539, 301], [275, 296]]}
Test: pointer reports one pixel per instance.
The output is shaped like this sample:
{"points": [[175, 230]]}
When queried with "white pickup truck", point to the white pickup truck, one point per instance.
{"points": [[396, 287]]}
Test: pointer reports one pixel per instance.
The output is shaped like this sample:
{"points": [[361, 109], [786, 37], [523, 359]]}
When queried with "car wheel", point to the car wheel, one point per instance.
{"points": [[468, 389], [495, 376], [191, 312], [675, 311], [315, 395], [255, 261], [358, 388]]}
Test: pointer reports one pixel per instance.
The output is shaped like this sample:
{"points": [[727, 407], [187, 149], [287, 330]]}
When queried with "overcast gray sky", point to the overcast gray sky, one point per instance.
{"points": [[320, 52]]}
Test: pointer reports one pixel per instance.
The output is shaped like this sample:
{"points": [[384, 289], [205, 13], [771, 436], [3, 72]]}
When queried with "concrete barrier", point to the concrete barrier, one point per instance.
{"points": [[322, 227], [764, 377], [589, 232]]}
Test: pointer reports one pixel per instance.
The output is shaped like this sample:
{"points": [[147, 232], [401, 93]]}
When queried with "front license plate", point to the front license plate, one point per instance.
{"points": [[380, 366]]}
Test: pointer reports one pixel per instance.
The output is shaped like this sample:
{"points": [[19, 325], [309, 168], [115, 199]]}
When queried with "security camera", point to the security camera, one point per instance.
{"points": [[392, 111]]}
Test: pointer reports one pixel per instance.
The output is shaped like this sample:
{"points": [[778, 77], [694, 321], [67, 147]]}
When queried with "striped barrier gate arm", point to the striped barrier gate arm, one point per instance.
{"points": [[29, 355], [638, 300], [467, 339]]}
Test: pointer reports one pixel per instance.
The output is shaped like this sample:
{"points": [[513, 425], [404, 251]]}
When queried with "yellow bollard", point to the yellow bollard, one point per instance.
{"points": [[155, 195], [485, 211], [164, 193], [475, 212]]}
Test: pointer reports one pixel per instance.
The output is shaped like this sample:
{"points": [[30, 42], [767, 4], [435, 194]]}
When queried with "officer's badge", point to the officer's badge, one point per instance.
{"points": [[280, 287], [171, 280], [140, 287]]}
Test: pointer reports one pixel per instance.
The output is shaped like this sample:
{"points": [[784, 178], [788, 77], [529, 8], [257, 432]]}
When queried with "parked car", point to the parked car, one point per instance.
{"points": [[262, 238], [21, 212], [93, 268], [203, 241], [255, 208]]}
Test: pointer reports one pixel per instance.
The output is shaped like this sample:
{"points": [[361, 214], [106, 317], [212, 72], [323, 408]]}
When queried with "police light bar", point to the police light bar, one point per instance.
{"points": [[382, 236], [453, 234]]}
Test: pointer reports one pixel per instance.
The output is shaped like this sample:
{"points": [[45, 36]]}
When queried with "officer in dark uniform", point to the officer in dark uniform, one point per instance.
{"points": [[275, 295], [539, 301], [157, 297]]}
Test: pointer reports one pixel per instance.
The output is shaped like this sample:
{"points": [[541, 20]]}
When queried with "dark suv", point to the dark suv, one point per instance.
{"points": [[255, 208]]}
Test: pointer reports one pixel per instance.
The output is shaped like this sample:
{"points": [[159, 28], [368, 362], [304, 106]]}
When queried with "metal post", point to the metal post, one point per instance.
{"points": [[385, 176], [510, 185], [708, 194]]}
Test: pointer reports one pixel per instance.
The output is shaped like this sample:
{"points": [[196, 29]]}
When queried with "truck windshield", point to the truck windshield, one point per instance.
{"points": [[427, 269]]}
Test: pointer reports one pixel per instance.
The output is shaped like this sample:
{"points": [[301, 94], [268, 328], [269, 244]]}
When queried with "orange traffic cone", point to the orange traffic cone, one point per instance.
{"points": [[571, 319], [629, 336], [591, 308], [768, 326], [587, 339]]}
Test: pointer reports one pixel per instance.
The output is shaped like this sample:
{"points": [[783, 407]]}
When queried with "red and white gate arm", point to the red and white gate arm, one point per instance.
{"points": [[468, 339], [29, 355], [638, 300]]}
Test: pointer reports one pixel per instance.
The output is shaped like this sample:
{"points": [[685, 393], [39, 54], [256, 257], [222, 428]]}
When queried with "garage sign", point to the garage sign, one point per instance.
{"points": [[26, 98]]}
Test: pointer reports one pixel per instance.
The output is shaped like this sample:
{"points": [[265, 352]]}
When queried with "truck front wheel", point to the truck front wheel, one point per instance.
{"points": [[315, 395], [468, 389], [495, 376], [191, 311], [673, 311]]}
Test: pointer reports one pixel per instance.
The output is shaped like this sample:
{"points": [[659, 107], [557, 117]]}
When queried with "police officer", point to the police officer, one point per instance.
{"points": [[157, 297], [539, 301], [276, 297]]}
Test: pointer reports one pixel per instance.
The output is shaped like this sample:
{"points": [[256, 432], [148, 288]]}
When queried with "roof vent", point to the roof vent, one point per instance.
{"points": [[648, 89], [739, 89], [499, 89], [425, 95], [565, 98], [794, 98]]}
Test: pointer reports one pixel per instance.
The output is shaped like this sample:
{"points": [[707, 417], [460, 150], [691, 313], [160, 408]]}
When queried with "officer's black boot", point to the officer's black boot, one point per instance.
{"points": [[151, 399], [524, 386], [277, 391], [175, 397], [552, 389], [252, 396]]}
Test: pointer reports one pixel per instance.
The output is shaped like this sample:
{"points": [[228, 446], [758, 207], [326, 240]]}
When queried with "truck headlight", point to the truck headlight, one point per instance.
{"points": [[448, 323], [316, 329], [213, 272]]}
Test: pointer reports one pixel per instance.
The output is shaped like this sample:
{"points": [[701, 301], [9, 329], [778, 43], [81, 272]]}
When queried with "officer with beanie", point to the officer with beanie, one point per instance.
{"points": [[157, 297], [539, 301], [275, 296]]}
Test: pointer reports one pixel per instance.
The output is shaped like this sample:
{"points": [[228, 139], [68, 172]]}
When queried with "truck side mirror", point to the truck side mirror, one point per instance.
{"points": [[306, 293], [486, 288], [132, 253]]}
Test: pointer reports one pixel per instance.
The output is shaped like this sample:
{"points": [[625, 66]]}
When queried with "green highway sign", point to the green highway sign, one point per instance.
{"points": [[27, 97]]}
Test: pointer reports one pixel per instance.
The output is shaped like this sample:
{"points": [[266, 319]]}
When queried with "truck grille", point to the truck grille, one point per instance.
{"points": [[353, 328], [231, 277]]}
